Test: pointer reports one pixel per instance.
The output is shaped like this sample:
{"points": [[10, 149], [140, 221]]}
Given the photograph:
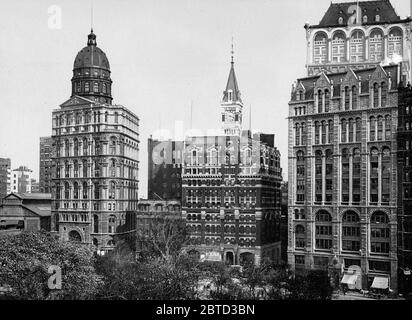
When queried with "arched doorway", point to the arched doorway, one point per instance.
{"points": [[246, 258], [230, 258], [75, 236]]}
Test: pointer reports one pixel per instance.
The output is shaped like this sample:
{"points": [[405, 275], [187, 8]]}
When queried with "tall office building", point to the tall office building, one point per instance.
{"points": [[95, 156], [231, 190], [343, 122], [46, 165]]}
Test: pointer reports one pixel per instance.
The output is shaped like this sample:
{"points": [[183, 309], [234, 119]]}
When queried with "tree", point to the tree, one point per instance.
{"points": [[25, 260]]}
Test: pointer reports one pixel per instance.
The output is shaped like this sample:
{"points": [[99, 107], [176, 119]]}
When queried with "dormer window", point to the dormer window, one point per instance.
{"points": [[230, 95], [86, 87], [340, 20], [365, 19], [95, 87], [377, 18]]}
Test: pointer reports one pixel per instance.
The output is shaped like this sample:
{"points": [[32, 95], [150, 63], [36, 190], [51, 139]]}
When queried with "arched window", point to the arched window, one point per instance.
{"points": [[365, 19], [85, 146], [351, 129], [395, 42], [384, 93], [318, 176], [327, 100], [345, 176], [76, 147], [116, 117], [380, 128], [323, 230], [343, 130], [213, 160], [247, 157], [354, 98], [112, 224], [347, 98], [329, 176], [76, 190], [96, 191], [106, 116], [66, 169], [338, 47], [66, 191], [323, 132], [67, 148], [297, 134], [376, 45], [85, 190], [113, 142], [358, 130], [386, 175], [320, 48], [113, 168], [112, 190], [357, 46], [300, 176], [58, 190], [84, 168], [375, 95], [330, 134], [372, 129], [303, 133], [86, 87], [380, 233], [388, 131], [75, 168], [300, 237], [317, 132], [351, 232], [320, 101], [356, 176], [374, 175]]}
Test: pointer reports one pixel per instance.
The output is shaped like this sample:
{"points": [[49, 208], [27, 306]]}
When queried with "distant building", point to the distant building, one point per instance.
{"points": [[5, 177], [46, 165], [165, 169], [21, 180], [25, 212], [147, 212], [231, 190]]}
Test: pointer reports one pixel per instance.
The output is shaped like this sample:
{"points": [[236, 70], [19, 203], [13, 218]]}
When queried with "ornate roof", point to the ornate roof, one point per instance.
{"points": [[232, 86], [91, 56], [383, 8]]}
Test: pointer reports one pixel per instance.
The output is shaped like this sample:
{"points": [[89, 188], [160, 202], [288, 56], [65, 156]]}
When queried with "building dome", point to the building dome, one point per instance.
{"points": [[91, 73]]}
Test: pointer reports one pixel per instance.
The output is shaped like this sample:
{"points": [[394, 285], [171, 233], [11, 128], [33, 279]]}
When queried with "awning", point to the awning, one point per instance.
{"points": [[349, 278], [380, 283]]}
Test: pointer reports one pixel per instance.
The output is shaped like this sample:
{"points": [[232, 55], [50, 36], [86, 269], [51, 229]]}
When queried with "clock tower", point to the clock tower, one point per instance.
{"points": [[232, 105]]}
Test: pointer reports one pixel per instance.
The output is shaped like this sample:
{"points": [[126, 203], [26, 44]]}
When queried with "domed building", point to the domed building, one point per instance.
{"points": [[95, 156], [91, 73]]}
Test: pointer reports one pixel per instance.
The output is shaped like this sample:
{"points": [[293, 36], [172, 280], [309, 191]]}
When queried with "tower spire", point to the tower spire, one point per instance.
{"points": [[91, 17], [232, 52]]}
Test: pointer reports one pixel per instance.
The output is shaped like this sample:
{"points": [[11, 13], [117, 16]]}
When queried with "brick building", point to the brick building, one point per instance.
{"points": [[405, 188], [95, 156], [343, 172], [22, 179], [46, 165], [5, 177], [231, 190], [164, 169]]}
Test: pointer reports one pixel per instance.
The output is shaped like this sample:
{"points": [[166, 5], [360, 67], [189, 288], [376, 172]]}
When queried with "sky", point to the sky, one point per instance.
{"points": [[165, 57]]}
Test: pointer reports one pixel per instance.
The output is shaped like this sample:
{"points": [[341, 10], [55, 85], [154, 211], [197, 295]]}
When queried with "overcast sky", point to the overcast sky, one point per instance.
{"points": [[163, 55]]}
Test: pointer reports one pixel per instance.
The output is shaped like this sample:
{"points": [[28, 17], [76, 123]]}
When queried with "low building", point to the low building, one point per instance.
{"points": [[149, 212], [25, 212]]}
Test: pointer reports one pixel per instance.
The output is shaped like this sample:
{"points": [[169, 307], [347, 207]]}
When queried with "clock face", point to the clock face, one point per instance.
{"points": [[230, 117]]}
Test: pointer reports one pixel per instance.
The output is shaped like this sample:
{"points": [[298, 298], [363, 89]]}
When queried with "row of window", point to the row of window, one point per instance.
{"points": [[357, 44], [380, 165], [351, 234]]}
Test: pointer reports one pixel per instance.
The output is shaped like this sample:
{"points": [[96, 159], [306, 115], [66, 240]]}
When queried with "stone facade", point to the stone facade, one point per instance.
{"points": [[46, 166], [95, 157], [343, 172]]}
